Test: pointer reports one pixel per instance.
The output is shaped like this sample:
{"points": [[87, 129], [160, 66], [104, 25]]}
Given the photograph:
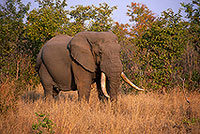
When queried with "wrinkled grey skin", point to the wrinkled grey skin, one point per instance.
{"points": [[66, 63], [53, 65]]}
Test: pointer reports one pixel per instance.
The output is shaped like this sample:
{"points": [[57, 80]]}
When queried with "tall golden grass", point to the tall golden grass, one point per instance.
{"points": [[133, 114]]}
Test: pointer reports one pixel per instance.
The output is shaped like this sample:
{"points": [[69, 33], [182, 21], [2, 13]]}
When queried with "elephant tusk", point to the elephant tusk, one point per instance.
{"points": [[129, 82], [103, 84]]}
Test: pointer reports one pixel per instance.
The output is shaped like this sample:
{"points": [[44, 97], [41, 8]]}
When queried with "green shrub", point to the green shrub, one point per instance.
{"points": [[43, 124]]}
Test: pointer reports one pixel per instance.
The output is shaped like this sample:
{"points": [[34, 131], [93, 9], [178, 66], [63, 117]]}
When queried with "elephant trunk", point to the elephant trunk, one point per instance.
{"points": [[114, 84], [110, 85], [112, 68], [110, 81]]}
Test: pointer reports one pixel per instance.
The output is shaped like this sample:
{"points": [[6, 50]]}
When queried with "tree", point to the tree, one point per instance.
{"points": [[162, 47], [191, 69], [193, 14], [92, 18], [45, 22], [154, 46], [12, 28], [141, 17], [51, 18]]}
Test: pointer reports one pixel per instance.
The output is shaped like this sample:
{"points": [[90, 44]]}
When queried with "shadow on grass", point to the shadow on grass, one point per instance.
{"points": [[33, 96]]}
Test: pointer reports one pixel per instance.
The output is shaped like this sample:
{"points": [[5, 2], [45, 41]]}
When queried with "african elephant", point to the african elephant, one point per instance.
{"points": [[65, 63]]}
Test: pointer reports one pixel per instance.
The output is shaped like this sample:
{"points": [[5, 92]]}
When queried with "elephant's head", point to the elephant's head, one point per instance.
{"points": [[101, 50]]}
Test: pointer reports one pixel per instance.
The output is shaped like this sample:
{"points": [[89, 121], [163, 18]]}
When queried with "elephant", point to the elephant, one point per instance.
{"points": [[65, 63]]}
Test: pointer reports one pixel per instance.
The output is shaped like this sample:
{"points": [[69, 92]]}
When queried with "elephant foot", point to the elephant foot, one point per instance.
{"points": [[55, 91], [51, 93]]}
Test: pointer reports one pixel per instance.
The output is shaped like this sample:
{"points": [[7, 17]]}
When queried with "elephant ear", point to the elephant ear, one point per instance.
{"points": [[80, 50]]}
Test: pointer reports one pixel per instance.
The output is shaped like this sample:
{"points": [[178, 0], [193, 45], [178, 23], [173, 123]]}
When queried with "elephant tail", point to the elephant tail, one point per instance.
{"points": [[38, 61]]}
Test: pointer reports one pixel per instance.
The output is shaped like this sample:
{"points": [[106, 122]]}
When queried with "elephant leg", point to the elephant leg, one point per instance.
{"points": [[83, 80], [47, 82]]}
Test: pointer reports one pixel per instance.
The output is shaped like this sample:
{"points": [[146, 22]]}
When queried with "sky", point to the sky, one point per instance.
{"points": [[119, 15], [156, 6]]}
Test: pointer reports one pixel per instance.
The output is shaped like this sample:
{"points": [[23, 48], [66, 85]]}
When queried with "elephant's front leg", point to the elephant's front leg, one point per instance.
{"points": [[83, 80]]}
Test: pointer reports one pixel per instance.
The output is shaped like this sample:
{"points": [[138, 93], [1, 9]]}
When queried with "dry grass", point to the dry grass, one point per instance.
{"points": [[133, 114]]}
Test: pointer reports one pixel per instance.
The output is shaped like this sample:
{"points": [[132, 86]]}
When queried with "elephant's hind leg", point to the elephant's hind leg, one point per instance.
{"points": [[47, 83], [83, 80]]}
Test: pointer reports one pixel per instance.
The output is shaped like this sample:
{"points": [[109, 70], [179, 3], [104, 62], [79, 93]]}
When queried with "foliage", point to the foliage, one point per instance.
{"points": [[141, 17], [44, 23], [51, 18], [43, 124], [193, 14], [12, 27], [191, 121], [156, 51], [92, 18], [161, 48], [191, 68], [14, 62]]}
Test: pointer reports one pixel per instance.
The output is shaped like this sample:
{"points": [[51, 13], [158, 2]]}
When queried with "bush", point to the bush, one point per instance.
{"points": [[43, 124]]}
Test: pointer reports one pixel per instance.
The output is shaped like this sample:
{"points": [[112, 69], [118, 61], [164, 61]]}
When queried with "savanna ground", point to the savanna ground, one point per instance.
{"points": [[142, 113]]}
